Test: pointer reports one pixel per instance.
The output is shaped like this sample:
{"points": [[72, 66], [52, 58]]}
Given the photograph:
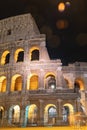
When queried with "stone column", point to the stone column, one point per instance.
{"points": [[41, 79], [59, 83], [12, 55], [26, 52], [85, 82], [22, 117], [78, 104], [59, 102], [24, 82], [5, 121], [41, 112], [8, 85]]}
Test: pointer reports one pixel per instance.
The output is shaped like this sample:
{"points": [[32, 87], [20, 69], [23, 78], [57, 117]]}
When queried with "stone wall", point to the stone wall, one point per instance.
{"points": [[17, 28]]}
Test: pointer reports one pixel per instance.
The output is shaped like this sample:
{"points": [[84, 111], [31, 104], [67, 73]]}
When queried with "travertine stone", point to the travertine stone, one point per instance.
{"points": [[22, 32]]}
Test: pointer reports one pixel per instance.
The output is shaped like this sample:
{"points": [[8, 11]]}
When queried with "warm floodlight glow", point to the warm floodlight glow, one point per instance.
{"points": [[3, 58], [3, 84], [16, 83], [17, 53], [80, 82], [61, 7]]}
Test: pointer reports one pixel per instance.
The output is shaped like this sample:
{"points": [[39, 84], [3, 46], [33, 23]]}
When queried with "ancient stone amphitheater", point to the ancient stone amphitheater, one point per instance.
{"points": [[35, 90]]}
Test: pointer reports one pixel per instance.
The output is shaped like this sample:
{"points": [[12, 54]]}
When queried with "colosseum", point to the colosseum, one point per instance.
{"points": [[34, 89]]}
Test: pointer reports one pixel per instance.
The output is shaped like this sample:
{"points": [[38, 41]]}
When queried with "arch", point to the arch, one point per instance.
{"points": [[68, 83], [68, 113], [34, 53], [50, 114], [50, 81], [16, 83], [19, 55], [32, 82], [1, 112], [5, 57], [3, 83], [31, 114], [14, 114], [79, 84]]}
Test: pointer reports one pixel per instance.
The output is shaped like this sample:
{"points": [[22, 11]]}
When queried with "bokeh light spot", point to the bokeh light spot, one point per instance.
{"points": [[54, 41], [61, 7], [62, 24], [68, 4]]}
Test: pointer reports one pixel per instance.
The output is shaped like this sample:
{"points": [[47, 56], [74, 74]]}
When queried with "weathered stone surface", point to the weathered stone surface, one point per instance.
{"points": [[22, 32]]}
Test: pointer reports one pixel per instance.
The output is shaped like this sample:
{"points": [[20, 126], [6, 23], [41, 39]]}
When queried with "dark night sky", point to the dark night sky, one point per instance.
{"points": [[66, 31]]}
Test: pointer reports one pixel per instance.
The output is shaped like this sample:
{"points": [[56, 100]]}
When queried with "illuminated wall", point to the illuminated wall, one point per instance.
{"points": [[35, 90]]}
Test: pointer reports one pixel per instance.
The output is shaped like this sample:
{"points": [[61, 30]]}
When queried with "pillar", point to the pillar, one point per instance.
{"points": [[8, 84], [41, 79], [26, 52], [24, 82], [59, 101], [22, 116], [59, 78], [41, 112], [78, 104], [12, 53]]}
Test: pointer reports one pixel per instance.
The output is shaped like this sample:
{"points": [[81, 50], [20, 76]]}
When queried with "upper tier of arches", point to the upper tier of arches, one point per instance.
{"points": [[18, 55]]}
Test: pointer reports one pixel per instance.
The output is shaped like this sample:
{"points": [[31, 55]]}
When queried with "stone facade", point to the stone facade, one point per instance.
{"points": [[35, 90]]}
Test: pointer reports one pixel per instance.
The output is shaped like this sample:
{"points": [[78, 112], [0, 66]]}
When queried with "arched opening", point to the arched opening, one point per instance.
{"points": [[50, 114], [50, 81], [3, 83], [5, 58], [78, 85], [32, 82], [16, 83], [31, 115], [19, 55], [14, 114], [1, 112], [68, 113], [68, 83], [34, 53]]}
